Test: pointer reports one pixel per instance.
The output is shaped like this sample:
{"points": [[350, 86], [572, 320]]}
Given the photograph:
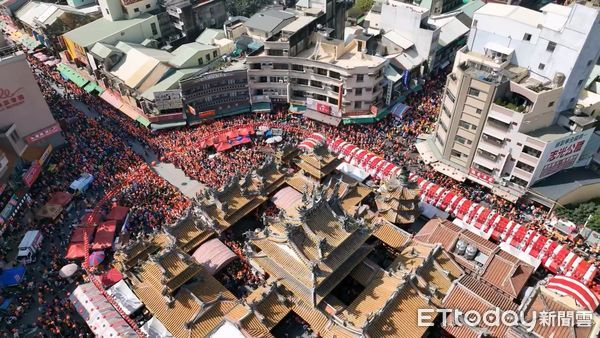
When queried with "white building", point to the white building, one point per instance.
{"points": [[558, 39], [501, 123]]}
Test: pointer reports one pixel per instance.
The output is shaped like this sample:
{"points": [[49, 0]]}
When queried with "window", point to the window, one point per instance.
{"points": [[360, 78], [14, 136], [527, 37], [153, 28], [551, 46], [463, 140], [446, 111], [215, 54], [334, 75], [358, 91], [518, 181], [467, 125], [457, 153], [531, 151], [443, 126], [541, 66], [590, 62], [473, 92], [451, 96], [298, 68], [136, 10], [200, 61], [477, 111], [303, 82], [579, 83], [321, 71], [439, 139], [148, 6], [525, 167], [357, 105], [550, 104]]}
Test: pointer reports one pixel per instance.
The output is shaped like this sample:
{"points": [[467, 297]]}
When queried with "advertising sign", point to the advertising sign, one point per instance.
{"points": [[168, 99], [32, 174], [41, 134], [562, 154], [323, 108], [481, 175]]}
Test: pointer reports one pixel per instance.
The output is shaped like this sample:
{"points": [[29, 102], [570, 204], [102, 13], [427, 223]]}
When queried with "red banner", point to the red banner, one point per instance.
{"points": [[32, 174], [165, 117], [323, 108], [42, 134], [207, 114], [481, 175]]}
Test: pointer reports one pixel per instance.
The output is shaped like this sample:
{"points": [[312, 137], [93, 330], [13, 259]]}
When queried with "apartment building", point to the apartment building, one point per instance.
{"points": [[189, 18], [505, 123], [329, 80]]}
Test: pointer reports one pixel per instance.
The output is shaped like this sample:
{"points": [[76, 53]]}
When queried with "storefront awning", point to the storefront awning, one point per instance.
{"points": [[261, 107], [72, 75], [143, 121], [315, 115], [156, 126]]}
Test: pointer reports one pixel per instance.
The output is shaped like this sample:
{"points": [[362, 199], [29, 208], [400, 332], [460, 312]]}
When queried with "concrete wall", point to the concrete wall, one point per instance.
{"points": [[29, 111]]}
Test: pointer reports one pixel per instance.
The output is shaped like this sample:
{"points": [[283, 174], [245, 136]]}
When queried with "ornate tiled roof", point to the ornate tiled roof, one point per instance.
{"points": [[397, 200], [240, 195]]}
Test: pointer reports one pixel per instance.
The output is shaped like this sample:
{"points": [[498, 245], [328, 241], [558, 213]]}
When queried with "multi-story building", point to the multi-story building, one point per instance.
{"points": [[216, 94], [190, 17], [25, 117], [329, 79], [335, 13], [507, 119]]}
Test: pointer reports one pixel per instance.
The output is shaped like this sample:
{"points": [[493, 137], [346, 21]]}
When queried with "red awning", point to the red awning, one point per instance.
{"points": [[105, 235], [388, 168], [118, 213], [483, 215], [360, 155], [111, 277], [518, 236], [348, 148], [223, 146], [546, 254], [373, 163], [91, 218], [231, 134], [471, 213], [61, 198], [336, 143], [75, 251], [574, 288], [445, 202], [537, 246], [463, 208], [77, 234]]}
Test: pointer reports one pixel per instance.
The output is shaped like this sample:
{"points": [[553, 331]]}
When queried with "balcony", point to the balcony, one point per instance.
{"points": [[492, 141], [515, 102]]}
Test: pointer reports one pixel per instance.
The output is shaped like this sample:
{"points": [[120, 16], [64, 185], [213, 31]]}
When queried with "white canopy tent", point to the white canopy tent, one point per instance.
{"points": [[126, 299]]}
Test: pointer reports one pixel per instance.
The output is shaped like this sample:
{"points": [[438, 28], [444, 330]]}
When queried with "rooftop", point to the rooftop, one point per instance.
{"points": [[564, 182], [269, 20], [550, 133], [100, 29], [520, 14]]}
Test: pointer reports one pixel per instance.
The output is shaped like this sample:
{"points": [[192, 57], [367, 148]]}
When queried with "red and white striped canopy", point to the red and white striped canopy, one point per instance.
{"points": [[574, 288]]}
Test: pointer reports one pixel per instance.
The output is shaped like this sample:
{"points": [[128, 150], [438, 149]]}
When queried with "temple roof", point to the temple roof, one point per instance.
{"points": [[398, 201], [319, 162], [312, 247], [240, 195]]}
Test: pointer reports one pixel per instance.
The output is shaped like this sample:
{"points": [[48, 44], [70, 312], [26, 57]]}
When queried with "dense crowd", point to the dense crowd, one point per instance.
{"points": [[238, 276], [96, 144]]}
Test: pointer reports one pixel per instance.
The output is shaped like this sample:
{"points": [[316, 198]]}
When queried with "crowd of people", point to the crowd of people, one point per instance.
{"points": [[98, 142], [238, 276]]}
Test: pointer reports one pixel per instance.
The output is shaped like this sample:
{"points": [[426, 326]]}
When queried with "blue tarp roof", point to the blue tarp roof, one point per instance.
{"points": [[399, 109], [12, 277]]}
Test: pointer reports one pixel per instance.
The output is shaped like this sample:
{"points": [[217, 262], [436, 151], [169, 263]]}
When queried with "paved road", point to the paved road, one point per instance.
{"points": [[168, 171]]}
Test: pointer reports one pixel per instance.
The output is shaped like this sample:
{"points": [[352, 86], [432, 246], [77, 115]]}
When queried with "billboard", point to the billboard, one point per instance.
{"points": [[561, 154], [168, 99], [21, 101]]}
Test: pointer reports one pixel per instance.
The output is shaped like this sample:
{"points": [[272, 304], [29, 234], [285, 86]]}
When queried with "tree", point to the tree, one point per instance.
{"points": [[364, 5], [579, 214]]}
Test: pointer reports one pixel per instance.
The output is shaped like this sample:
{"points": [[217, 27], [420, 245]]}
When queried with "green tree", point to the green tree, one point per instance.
{"points": [[579, 214], [364, 5]]}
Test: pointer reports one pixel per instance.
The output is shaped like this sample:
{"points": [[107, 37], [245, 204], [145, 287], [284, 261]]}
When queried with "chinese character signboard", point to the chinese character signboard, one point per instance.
{"points": [[41, 134], [10, 98], [323, 108], [481, 175], [168, 99], [562, 154]]}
